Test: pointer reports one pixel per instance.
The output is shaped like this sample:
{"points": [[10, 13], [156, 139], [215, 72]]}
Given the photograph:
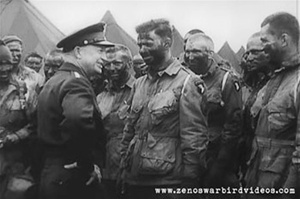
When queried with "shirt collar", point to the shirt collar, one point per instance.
{"points": [[212, 69], [291, 63], [172, 69], [129, 83]]}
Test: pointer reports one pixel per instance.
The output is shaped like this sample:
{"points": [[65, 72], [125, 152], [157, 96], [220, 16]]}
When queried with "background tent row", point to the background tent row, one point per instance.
{"points": [[21, 18]]}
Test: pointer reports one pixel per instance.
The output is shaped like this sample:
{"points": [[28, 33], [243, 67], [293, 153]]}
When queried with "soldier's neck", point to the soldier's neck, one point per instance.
{"points": [[3, 85], [16, 69], [154, 70], [117, 85]]}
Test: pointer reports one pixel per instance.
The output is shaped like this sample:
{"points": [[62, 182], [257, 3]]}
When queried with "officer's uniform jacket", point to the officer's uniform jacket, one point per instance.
{"points": [[114, 107], [69, 120], [224, 106], [165, 136], [277, 107]]}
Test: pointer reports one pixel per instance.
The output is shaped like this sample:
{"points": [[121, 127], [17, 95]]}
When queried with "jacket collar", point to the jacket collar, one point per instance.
{"points": [[129, 83], [291, 63], [67, 66], [172, 69], [212, 69]]}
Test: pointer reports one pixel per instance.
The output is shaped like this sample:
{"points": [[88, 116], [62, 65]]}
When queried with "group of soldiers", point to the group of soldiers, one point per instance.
{"points": [[82, 126]]}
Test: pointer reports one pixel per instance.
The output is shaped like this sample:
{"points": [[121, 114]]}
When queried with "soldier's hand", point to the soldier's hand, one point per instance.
{"points": [[120, 185], [11, 138], [71, 166], [296, 156], [95, 176]]}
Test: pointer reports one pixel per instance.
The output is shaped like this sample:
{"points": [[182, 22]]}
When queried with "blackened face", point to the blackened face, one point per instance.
{"points": [[52, 64], [271, 45], [16, 51], [34, 63], [140, 69], [255, 58], [151, 49], [116, 66], [196, 57], [5, 71]]}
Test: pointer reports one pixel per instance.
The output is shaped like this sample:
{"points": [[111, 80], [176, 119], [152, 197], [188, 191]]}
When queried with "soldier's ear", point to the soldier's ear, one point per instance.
{"points": [[77, 52], [167, 42], [285, 38]]}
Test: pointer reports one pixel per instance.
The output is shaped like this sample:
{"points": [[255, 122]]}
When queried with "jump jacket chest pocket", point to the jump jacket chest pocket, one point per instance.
{"points": [[274, 166], [15, 104], [279, 117], [163, 104], [214, 101], [123, 111], [157, 157]]}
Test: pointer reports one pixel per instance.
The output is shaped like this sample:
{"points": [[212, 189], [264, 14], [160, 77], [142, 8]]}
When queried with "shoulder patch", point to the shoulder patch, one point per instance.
{"points": [[77, 75], [199, 83], [237, 85]]}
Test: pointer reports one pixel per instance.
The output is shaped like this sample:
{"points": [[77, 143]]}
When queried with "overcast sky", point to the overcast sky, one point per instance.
{"points": [[233, 21]]}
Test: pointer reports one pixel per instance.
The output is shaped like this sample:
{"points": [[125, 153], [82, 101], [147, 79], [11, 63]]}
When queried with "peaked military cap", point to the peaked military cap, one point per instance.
{"points": [[91, 35]]}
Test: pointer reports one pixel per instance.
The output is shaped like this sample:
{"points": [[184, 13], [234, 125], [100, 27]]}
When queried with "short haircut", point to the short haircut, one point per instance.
{"points": [[210, 46], [192, 32], [33, 54], [161, 27], [55, 55], [283, 22], [55, 52], [254, 37], [126, 53]]}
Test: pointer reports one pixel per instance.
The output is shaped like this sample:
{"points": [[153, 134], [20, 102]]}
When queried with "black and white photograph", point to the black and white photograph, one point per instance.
{"points": [[149, 99]]}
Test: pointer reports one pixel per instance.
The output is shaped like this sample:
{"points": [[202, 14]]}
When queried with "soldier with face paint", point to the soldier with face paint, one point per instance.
{"points": [[54, 59], [256, 71], [114, 105], [21, 72], [275, 157], [165, 136], [15, 128], [139, 66], [224, 106]]}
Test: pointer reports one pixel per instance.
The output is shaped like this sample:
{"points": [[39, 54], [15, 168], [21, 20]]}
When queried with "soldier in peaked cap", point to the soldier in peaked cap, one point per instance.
{"points": [[69, 121]]}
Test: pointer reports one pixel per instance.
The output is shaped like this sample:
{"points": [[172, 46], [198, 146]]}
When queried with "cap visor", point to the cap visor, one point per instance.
{"points": [[104, 43]]}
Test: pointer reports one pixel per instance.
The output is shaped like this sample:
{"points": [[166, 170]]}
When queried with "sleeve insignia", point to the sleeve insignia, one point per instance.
{"points": [[77, 75], [200, 85], [237, 86]]}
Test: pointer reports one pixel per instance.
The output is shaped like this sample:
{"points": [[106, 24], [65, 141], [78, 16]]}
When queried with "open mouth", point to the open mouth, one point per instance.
{"points": [[3, 76], [147, 59], [114, 75]]}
